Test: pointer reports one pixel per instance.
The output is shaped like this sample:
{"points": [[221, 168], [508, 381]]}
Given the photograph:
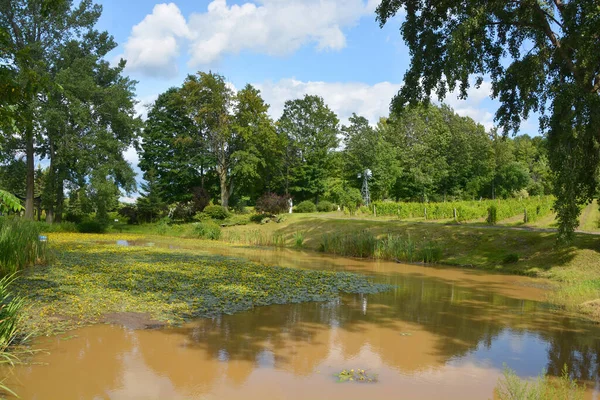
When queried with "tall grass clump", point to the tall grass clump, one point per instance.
{"points": [[492, 217], [207, 230], [10, 321], [364, 244], [20, 246], [511, 387], [299, 239]]}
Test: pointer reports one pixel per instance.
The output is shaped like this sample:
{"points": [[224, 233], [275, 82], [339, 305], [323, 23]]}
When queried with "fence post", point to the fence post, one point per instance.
{"points": [[425, 213], [455, 215], [525, 219], [374, 210]]}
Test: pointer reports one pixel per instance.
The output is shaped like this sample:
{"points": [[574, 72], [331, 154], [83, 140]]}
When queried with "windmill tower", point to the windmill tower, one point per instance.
{"points": [[366, 195]]}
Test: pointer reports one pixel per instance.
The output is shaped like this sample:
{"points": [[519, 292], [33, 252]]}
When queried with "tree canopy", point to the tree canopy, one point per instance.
{"points": [[541, 56]]}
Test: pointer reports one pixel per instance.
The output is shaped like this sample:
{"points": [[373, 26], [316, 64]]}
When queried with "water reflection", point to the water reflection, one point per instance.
{"points": [[435, 333]]}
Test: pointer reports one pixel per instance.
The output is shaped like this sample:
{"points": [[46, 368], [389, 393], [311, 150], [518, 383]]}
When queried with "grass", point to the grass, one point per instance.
{"points": [[511, 387], [20, 246], [88, 280]]}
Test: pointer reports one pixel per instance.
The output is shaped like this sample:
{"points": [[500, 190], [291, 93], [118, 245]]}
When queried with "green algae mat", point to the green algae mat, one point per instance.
{"points": [[87, 280]]}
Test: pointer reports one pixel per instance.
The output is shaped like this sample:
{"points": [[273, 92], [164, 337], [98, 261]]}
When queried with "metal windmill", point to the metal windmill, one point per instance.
{"points": [[366, 195]]}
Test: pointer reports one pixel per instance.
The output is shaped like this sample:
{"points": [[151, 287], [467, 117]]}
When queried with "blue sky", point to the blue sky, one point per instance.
{"points": [[286, 48]]}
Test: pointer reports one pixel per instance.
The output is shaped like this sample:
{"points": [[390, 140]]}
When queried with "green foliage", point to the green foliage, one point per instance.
{"points": [[540, 57], [8, 202], [10, 313], [310, 129], [216, 212], [298, 239], [511, 387], [20, 246], [306, 206], [92, 226], [492, 217], [326, 206], [207, 230]]}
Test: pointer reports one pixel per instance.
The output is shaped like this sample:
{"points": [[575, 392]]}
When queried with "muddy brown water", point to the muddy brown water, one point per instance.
{"points": [[442, 333]]}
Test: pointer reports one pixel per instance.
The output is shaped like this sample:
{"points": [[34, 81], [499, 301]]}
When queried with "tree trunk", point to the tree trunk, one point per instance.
{"points": [[224, 189], [30, 185], [50, 187], [60, 200]]}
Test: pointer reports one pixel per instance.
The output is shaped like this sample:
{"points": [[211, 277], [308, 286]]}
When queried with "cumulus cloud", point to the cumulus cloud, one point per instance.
{"points": [[273, 27], [369, 101], [153, 46]]}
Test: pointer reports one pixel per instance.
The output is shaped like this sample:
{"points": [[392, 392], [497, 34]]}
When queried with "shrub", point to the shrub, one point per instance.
{"points": [[326, 206], [20, 246], [207, 230], [201, 216], [271, 203], [182, 211], [91, 226], [492, 217], [306, 206], [57, 227], [216, 212], [259, 218]]}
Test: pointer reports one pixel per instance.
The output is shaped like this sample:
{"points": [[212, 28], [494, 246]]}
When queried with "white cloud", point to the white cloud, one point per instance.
{"points": [[141, 108], [273, 27], [369, 101], [153, 46]]}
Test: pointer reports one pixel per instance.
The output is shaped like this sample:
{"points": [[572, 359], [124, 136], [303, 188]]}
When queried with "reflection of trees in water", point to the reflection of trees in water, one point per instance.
{"points": [[456, 319]]}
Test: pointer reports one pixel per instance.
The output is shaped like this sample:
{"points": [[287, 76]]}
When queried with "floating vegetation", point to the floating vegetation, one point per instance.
{"points": [[88, 280], [356, 375]]}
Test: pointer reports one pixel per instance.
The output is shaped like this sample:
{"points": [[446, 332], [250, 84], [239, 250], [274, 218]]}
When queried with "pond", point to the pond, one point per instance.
{"points": [[441, 333]]}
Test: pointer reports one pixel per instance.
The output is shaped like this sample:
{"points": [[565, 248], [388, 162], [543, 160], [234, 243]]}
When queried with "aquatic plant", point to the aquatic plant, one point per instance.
{"points": [[207, 230], [511, 387], [20, 246], [358, 375], [299, 239], [90, 279]]}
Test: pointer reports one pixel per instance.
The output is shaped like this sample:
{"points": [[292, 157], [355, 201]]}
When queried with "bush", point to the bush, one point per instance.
{"points": [[271, 203], [511, 387], [258, 218], [91, 227], [207, 230], [326, 206], [130, 213], [492, 217], [306, 206], [216, 212]]}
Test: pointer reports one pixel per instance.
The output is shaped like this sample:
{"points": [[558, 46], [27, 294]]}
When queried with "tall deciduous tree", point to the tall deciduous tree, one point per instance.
{"points": [[310, 129], [541, 55], [36, 30]]}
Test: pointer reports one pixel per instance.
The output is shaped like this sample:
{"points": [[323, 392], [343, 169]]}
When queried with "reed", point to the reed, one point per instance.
{"points": [[20, 246]]}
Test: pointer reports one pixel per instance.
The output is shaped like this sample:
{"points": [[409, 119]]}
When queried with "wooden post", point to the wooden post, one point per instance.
{"points": [[525, 219], [455, 219], [374, 210], [426, 213]]}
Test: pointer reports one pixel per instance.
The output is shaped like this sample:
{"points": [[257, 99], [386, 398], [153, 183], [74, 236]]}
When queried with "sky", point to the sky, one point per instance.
{"points": [[286, 48]]}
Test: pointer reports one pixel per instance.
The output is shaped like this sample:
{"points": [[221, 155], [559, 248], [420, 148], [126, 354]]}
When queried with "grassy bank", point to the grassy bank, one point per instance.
{"points": [[88, 280]]}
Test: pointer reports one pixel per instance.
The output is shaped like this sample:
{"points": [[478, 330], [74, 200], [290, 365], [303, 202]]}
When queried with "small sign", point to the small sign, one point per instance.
{"points": [[43, 238]]}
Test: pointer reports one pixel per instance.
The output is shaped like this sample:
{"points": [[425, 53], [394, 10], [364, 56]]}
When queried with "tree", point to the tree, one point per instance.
{"points": [[310, 130], [170, 149], [151, 204], [209, 101], [34, 32], [541, 56], [87, 120], [367, 149]]}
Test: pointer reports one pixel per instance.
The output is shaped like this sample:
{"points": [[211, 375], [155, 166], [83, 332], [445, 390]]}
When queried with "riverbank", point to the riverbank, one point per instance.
{"points": [[92, 279], [574, 270]]}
